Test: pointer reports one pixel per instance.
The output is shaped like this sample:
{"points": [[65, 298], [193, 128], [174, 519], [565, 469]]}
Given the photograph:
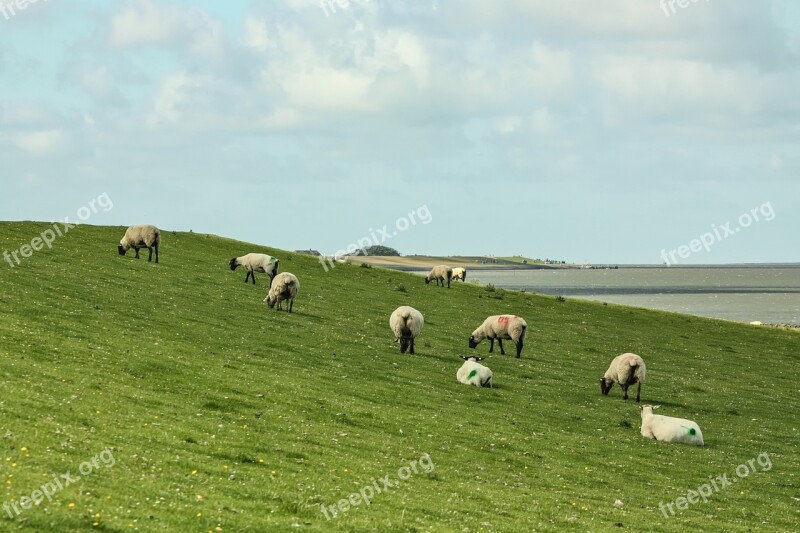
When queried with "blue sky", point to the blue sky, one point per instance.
{"points": [[584, 131]]}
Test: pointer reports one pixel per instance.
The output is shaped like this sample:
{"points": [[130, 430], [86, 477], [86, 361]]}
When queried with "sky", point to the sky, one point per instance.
{"points": [[622, 131]]}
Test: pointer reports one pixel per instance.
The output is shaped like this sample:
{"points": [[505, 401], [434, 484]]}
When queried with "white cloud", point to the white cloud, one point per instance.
{"points": [[41, 143]]}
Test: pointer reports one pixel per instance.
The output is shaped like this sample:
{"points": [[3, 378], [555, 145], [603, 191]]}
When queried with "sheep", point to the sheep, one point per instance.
{"points": [[669, 429], [256, 263], [284, 287], [141, 236], [625, 369], [406, 323], [460, 273], [500, 327], [440, 273], [474, 373]]}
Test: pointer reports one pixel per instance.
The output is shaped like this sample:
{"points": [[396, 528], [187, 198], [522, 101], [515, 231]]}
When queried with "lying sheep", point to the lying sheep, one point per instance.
{"points": [[440, 274], [284, 287], [256, 263], [474, 373], [500, 327], [460, 273], [625, 369], [406, 323], [669, 429], [141, 236]]}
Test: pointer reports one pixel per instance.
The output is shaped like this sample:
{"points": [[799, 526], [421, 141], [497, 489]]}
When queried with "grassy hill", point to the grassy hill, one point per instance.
{"points": [[206, 411]]}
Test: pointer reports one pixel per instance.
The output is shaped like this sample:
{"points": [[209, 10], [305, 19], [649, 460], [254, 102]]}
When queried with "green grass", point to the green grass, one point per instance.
{"points": [[222, 413]]}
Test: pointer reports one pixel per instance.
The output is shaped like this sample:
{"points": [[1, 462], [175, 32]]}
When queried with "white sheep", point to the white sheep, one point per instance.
{"points": [[460, 273], [406, 323], [509, 327], [256, 263], [474, 373], [440, 274], [284, 287], [141, 236], [625, 369], [669, 429]]}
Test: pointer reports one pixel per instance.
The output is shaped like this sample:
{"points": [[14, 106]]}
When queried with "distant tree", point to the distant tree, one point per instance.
{"points": [[377, 250]]}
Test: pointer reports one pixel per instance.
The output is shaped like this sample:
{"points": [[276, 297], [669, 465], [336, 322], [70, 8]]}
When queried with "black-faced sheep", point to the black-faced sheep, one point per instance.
{"points": [[509, 327], [460, 273], [256, 263], [626, 369], [440, 274], [284, 287], [406, 323], [141, 236]]}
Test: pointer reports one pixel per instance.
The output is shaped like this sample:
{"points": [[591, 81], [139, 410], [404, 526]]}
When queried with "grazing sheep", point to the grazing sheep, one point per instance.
{"points": [[500, 327], [141, 236], [406, 323], [625, 369], [440, 273], [460, 273], [256, 263], [669, 429], [284, 287], [474, 373]]}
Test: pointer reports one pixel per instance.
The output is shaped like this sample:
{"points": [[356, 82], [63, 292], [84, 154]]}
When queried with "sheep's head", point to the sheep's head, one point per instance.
{"points": [[605, 385], [471, 358], [121, 249], [271, 300], [648, 409], [427, 279], [234, 264], [472, 341]]}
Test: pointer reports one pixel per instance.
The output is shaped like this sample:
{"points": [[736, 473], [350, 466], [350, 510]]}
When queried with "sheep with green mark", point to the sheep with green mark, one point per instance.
{"points": [[253, 263], [669, 429], [474, 373]]}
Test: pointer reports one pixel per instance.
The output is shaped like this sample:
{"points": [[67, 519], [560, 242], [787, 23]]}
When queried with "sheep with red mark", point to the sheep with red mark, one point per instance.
{"points": [[509, 327]]}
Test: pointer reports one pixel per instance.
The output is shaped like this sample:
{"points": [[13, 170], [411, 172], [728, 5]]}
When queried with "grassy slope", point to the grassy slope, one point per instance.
{"points": [[224, 414]]}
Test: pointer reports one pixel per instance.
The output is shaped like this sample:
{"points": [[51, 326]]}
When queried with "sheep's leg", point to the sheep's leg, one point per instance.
{"points": [[491, 344], [624, 387], [137, 253], [411, 348], [519, 348], [156, 253], [638, 392], [291, 305], [500, 342], [149, 254]]}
